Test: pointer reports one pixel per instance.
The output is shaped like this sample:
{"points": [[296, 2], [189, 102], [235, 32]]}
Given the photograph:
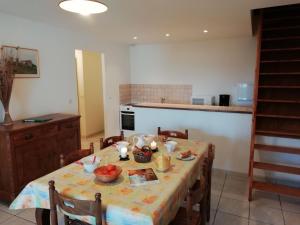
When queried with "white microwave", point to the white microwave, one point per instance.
{"points": [[203, 100]]}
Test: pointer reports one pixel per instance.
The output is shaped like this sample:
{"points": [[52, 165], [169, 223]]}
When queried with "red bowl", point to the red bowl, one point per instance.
{"points": [[107, 178]]}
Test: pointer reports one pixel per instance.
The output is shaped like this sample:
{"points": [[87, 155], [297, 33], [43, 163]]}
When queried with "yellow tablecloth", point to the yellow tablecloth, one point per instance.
{"points": [[153, 204]]}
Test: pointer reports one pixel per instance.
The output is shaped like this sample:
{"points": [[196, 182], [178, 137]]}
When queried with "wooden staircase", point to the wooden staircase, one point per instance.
{"points": [[277, 91]]}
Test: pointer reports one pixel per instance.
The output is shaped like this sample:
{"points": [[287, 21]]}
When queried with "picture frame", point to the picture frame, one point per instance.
{"points": [[26, 61]]}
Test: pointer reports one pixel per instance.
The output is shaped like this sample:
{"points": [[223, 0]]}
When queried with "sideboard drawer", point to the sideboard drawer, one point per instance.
{"points": [[69, 125], [26, 136], [49, 130]]}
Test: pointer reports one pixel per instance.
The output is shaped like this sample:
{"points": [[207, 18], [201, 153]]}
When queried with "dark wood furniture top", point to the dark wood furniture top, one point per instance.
{"points": [[73, 207], [173, 133], [276, 110], [104, 143], [31, 150], [76, 155]]}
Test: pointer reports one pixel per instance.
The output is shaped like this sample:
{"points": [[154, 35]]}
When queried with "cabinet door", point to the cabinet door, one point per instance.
{"points": [[34, 160], [68, 139]]}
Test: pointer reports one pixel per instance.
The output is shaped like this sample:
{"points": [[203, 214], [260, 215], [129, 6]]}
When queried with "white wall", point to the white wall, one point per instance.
{"points": [[56, 90], [213, 67]]}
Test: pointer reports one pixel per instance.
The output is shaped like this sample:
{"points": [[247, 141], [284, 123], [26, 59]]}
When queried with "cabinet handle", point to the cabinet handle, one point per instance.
{"points": [[28, 136]]}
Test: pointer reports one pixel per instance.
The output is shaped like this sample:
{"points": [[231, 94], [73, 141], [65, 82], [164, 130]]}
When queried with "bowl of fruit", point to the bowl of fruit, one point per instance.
{"points": [[142, 155], [107, 174]]}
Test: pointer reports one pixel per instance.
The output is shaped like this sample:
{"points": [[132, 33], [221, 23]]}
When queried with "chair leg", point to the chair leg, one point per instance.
{"points": [[209, 194], [203, 211]]}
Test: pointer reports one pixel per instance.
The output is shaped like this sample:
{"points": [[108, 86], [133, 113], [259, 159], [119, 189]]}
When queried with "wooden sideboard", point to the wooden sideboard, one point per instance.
{"points": [[31, 150]]}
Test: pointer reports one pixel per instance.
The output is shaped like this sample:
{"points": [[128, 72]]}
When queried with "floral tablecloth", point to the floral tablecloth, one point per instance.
{"points": [[153, 204]]}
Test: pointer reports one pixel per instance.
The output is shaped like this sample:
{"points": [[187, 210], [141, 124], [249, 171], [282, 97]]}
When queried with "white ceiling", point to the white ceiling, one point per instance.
{"points": [[185, 20]]}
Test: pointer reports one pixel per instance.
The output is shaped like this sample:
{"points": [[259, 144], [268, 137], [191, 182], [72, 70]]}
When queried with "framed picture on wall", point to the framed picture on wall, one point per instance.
{"points": [[26, 61]]}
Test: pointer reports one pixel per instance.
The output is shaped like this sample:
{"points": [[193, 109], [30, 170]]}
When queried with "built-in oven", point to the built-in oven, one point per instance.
{"points": [[127, 119]]}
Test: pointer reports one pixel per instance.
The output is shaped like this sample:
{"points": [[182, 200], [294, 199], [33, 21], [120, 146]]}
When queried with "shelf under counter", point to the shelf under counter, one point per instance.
{"points": [[209, 108]]}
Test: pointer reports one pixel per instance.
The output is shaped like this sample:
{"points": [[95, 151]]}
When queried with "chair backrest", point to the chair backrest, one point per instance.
{"points": [[173, 133], [104, 143], [73, 206], [198, 195], [75, 156]]}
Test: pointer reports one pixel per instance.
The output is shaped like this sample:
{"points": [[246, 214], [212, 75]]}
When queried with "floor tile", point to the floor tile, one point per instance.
{"points": [[235, 192], [212, 217], [266, 215], [290, 204], [28, 214], [253, 222], [217, 173], [215, 198], [233, 182], [265, 199], [17, 221], [4, 207], [235, 207], [291, 218], [227, 219], [237, 176], [4, 216]]}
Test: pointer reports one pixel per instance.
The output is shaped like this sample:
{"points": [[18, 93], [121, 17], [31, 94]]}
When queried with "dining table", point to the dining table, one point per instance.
{"points": [[122, 203]]}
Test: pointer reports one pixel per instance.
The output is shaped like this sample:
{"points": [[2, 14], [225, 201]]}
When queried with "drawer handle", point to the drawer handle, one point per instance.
{"points": [[28, 136]]}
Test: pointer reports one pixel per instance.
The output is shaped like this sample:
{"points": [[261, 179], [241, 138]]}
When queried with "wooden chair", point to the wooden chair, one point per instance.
{"points": [[104, 143], [175, 134], [210, 159], [75, 156], [196, 196], [73, 207]]}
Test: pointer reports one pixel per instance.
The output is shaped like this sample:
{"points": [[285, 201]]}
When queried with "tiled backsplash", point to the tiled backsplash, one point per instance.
{"points": [[137, 93], [125, 93]]}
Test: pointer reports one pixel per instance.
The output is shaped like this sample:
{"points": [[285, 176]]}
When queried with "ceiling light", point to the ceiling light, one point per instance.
{"points": [[168, 35], [83, 7], [135, 37], [205, 31]]}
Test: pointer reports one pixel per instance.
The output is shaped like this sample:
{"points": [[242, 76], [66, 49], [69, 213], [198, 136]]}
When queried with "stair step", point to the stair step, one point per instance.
{"points": [[280, 49], [281, 38], [279, 101], [273, 148], [280, 189], [282, 18], [280, 61], [282, 28], [276, 168], [277, 133], [279, 86], [280, 73]]}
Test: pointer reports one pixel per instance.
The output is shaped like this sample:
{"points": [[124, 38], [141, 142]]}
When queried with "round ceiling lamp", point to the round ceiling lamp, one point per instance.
{"points": [[83, 7]]}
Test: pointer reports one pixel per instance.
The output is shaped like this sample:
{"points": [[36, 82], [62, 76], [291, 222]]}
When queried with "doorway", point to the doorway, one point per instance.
{"points": [[89, 67]]}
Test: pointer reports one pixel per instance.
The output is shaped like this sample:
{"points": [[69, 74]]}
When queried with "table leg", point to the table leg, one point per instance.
{"points": [[42, 216]]}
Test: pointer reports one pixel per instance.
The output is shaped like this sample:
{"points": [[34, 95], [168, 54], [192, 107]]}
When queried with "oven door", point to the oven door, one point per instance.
{"points": [[127, 120]]}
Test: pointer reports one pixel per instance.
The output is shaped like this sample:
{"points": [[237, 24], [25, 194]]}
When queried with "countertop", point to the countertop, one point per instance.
{"points": [[210, 108]]}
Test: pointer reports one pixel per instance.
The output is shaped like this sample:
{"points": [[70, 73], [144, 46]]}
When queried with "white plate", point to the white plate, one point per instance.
{"points": [[185, 159]]}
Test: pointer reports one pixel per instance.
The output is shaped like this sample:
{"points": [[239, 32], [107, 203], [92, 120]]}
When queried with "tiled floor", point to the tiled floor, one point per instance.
{"points": [[229, 206], [85, 142]]}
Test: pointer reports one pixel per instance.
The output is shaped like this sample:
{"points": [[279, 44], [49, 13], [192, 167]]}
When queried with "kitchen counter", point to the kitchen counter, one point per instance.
{"points": [[210, 108]]}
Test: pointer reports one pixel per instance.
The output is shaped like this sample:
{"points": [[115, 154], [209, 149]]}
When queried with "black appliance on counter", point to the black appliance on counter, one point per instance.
{"points": [[224, 100]]}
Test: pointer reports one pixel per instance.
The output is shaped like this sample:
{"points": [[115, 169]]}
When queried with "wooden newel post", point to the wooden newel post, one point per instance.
{"points": [[53, 210]]}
